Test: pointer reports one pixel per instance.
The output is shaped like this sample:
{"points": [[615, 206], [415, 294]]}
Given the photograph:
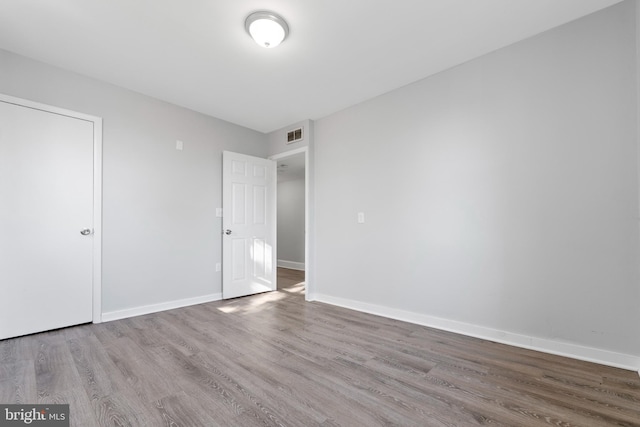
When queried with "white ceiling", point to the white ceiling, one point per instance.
{"points": [[196, 53]]}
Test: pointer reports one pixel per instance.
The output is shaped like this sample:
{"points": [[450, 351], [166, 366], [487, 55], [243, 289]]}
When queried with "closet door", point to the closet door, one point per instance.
{"points": [[46, 220]]}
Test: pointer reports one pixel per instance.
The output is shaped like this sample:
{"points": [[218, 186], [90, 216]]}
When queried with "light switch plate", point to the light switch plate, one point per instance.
{"points": [[360, 217], [218, 212], [218, 266], [179, 145]]}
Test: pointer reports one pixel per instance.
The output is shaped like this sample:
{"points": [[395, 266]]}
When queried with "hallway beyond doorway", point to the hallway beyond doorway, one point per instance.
{"points": [[291, 280]]}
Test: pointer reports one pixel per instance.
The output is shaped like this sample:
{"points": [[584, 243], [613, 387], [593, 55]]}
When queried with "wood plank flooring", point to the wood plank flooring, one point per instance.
{"points": [[272, 359]]}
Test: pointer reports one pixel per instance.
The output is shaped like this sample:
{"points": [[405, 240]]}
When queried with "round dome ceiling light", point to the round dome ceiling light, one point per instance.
{"points": [[266, 28]]}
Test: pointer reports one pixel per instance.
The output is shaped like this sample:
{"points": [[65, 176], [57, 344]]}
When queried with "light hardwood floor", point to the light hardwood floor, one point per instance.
{"points": [[272, 359]]}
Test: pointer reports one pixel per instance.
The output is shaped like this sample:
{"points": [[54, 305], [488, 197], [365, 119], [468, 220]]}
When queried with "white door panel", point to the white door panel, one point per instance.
{"points": [[249, 203], [46, 199]]}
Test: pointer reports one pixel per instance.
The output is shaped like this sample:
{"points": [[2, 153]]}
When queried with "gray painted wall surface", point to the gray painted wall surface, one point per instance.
{"points": [[291, 220], [161, 238], [637, 5], [501, 193]]}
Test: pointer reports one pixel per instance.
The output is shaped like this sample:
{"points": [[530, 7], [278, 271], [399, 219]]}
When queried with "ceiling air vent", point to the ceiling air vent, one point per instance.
{"points": [[294, 135]]}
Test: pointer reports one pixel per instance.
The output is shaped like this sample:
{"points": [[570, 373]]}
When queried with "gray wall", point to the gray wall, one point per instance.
{"points": [[501, 193], [161, 238], [291, 220]]}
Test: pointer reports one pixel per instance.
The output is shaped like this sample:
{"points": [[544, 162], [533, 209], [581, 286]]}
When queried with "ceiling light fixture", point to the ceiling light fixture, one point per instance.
{"points": [[266, 28]]}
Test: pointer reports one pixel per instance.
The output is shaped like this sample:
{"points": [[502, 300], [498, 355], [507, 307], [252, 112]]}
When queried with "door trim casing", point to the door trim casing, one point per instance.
{"points": [[97, 190]]}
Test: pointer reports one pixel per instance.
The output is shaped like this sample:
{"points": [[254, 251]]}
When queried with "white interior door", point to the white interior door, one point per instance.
{"points": [[249, 225], [46, 200]]}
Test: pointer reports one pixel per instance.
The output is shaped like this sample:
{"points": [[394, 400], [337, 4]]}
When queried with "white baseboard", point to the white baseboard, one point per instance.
{"points": [[589, 354], [154, 308], [291, 264]]}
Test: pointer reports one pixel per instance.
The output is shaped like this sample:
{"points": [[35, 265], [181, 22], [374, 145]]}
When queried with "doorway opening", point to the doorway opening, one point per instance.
{"points": [[292, 222]]}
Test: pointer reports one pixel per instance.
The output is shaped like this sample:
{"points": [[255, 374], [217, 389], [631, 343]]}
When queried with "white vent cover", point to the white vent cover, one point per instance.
{"points": [[295, 135]]}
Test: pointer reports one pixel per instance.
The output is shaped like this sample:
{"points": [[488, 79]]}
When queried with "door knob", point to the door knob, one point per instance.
{"points": [[85, 232], [227, 231]]}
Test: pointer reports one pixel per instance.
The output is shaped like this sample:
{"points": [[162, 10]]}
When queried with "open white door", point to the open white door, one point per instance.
{"points": [[248, 225]]}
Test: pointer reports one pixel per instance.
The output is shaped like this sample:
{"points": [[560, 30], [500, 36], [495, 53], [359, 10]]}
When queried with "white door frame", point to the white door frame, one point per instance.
{"points": [[307, 258], [97, 190]]}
